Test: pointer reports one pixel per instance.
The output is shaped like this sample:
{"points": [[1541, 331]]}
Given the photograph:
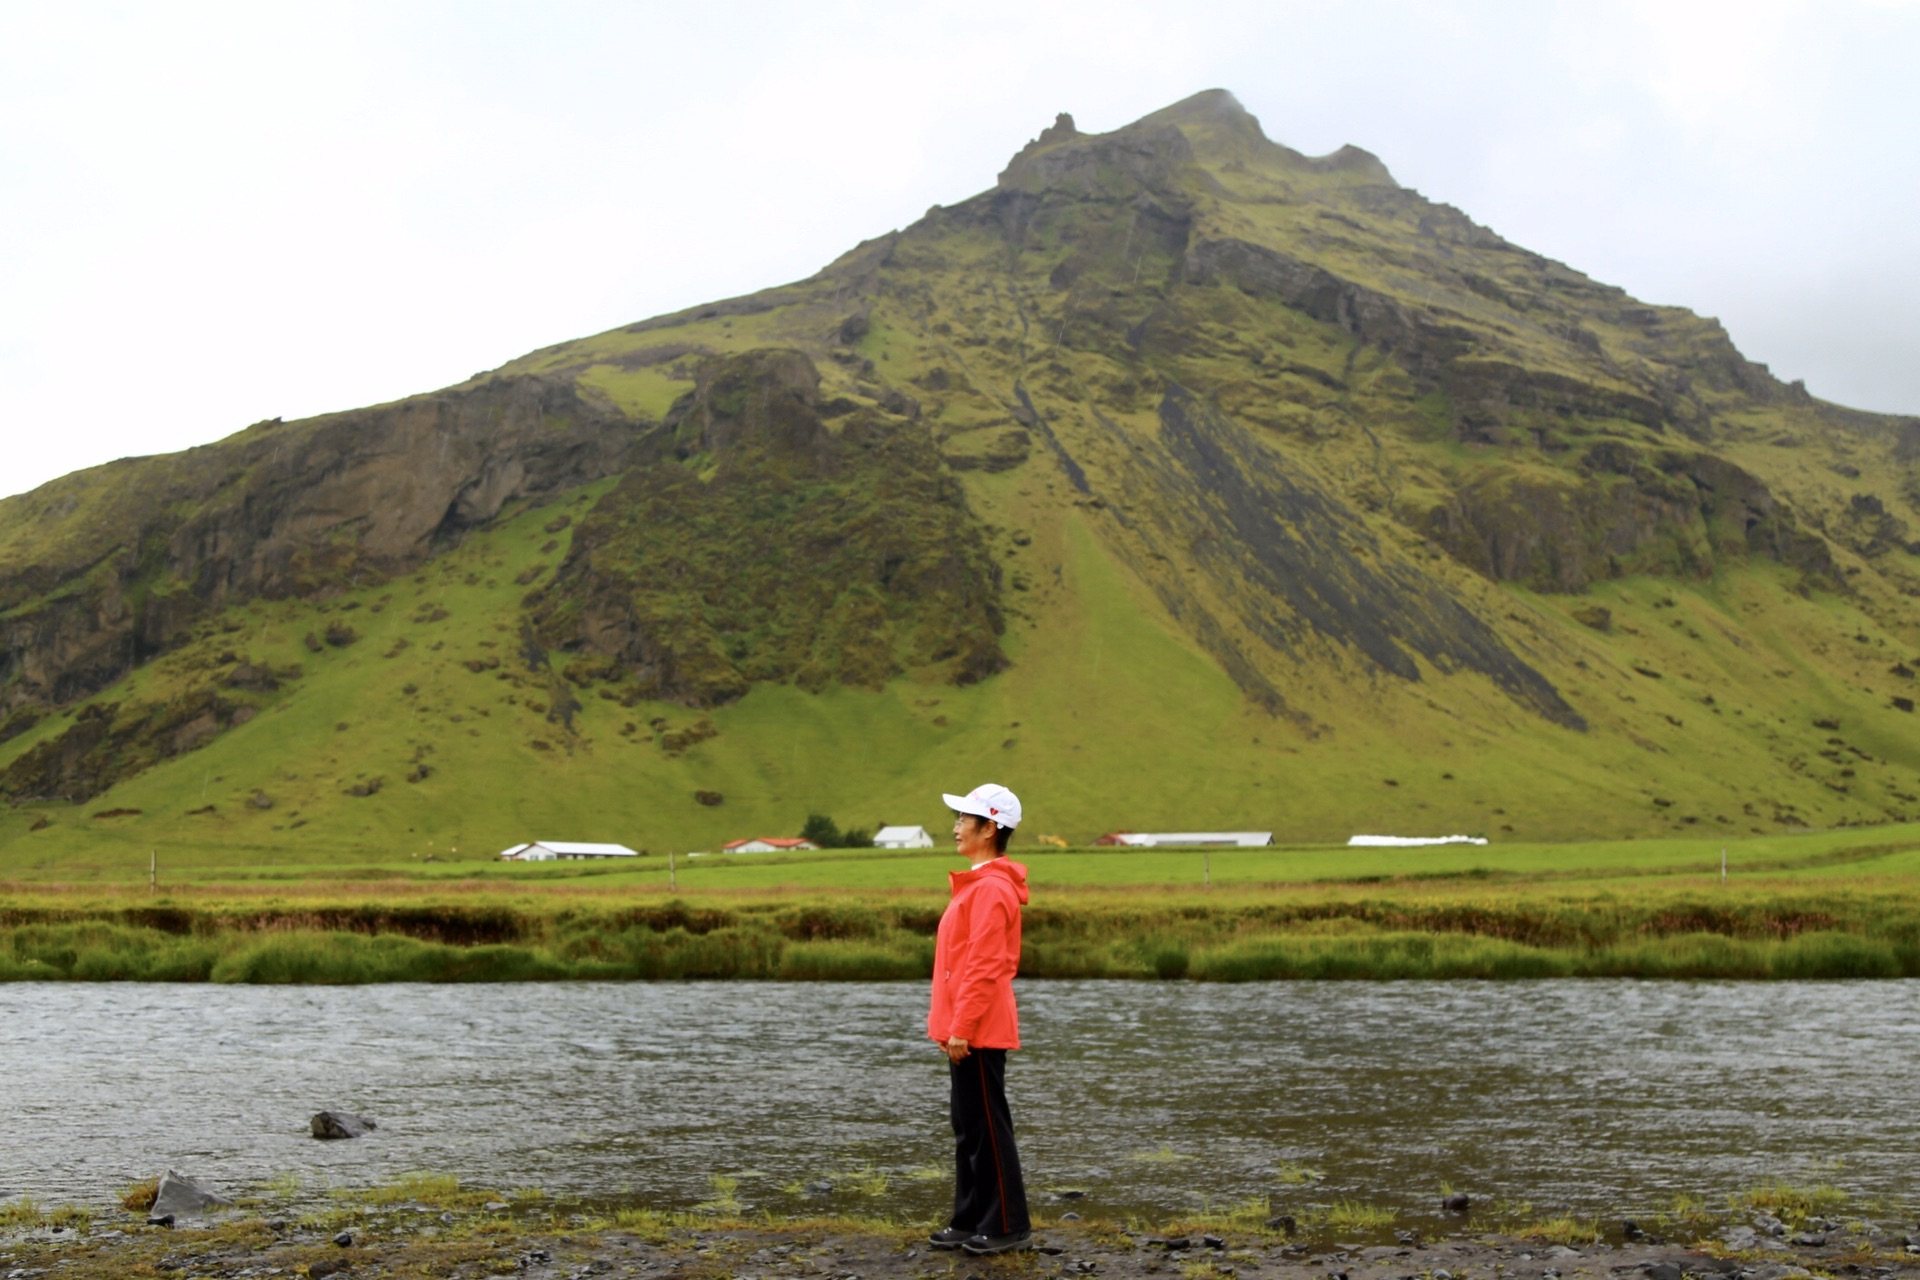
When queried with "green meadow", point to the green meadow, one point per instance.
{"points": [[1838, 904]]}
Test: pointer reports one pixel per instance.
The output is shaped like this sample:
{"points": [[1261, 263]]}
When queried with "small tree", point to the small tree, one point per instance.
{"points": [[826, 833]]}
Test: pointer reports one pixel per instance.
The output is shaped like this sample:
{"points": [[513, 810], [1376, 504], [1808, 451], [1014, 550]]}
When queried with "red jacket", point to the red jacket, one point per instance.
{"points": [[975, 956]]}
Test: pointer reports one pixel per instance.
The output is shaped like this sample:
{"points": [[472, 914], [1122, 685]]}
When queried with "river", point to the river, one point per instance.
{"points": [[1601, 1097]]}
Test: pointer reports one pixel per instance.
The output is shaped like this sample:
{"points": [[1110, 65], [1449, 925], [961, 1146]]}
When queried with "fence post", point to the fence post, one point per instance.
{"points": [[673, 880]]}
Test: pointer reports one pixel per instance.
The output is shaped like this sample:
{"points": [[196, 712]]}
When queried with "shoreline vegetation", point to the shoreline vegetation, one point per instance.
{"points": [[427, 1224], [1833, 905]]}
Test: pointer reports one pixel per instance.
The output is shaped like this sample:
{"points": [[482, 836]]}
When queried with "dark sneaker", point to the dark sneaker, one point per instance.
{"points": [[998, 1244], [949, 1238]]}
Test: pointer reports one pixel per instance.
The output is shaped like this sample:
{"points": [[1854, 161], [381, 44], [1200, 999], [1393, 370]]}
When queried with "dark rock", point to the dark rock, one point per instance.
{"points": [[1810, 1239], [1069, 1195], [344, 1239], [164, 1220], [1631, 1230], [341, 1124], [1597, 616], [1664, 1271], [1213, 1242], [819, 1190], [329, 1267], [1282, 1222], [181, 1197]]}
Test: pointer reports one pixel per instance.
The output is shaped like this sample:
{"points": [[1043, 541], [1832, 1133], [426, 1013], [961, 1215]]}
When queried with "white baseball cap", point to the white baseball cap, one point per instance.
{"points": [[988, 800]]}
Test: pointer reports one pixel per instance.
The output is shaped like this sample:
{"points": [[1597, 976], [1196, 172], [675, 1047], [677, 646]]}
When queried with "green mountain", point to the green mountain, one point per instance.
{"points": [[1180, 480]]}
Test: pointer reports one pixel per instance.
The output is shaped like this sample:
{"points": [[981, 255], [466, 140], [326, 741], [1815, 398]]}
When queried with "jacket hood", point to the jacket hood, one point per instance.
{"points": [[1014, 872]]}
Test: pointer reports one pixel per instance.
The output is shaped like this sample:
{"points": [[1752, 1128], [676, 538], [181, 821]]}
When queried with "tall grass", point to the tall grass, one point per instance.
{"points": [[1229, 938]]}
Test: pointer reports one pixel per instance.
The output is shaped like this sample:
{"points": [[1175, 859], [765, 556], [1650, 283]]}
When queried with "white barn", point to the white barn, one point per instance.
{"points": [[550, 850], [902, 838], [1193, 839]]}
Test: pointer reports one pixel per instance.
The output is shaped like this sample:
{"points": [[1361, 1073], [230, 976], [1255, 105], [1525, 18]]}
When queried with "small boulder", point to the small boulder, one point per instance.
{"points": [[1458, 1202], [181, 1197], [341, 1124]]}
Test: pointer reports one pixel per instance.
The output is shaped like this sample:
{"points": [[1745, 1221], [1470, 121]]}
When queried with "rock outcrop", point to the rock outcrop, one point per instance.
{"points": [[106, 568]]}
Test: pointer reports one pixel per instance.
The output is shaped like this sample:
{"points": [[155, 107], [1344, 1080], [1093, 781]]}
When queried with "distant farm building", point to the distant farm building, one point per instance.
{"points": [[1188, 839], [550, 850], [902, 838], [768, 844]]}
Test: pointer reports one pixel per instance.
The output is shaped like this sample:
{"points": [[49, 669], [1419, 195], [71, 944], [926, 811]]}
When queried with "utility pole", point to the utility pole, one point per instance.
{"points": [[153, 870], [1723, 864], [1206, 870], [673, 881]]}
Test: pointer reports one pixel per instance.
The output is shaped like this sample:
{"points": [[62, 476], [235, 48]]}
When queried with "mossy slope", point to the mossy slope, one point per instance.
{"points": [[1182, 478]]}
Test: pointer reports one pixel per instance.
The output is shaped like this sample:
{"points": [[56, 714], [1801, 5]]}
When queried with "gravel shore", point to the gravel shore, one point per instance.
{"points": [[444, 1244]]}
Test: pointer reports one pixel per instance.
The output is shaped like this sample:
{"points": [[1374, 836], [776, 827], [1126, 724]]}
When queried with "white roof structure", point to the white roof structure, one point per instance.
{"points": [[1408, 842], [1154, 839], [548, 850], [902, 838], [769, 844]]}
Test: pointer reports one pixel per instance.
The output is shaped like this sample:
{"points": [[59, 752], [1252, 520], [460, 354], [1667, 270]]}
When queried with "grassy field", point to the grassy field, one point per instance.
{"points": [[1830, 904]]}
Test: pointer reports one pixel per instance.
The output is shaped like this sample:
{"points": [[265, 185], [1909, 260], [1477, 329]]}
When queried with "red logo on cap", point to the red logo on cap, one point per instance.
{"points": [[992, 810]]}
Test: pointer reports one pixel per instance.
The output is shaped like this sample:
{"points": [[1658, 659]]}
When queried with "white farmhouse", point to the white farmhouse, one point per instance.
{"points": [[902, 838], [549, 850]]}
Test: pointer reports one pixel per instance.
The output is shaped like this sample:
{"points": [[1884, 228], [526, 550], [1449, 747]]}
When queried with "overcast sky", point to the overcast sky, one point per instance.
{"points": [[216, 213]]}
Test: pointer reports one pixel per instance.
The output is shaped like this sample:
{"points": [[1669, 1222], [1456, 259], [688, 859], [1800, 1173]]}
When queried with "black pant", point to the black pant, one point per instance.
{"points": [[988, 1196]]}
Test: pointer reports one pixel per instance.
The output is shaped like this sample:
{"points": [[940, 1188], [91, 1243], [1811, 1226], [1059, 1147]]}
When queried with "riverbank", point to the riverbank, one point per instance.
{"points": [[456, 1234], [1866, 925]]}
